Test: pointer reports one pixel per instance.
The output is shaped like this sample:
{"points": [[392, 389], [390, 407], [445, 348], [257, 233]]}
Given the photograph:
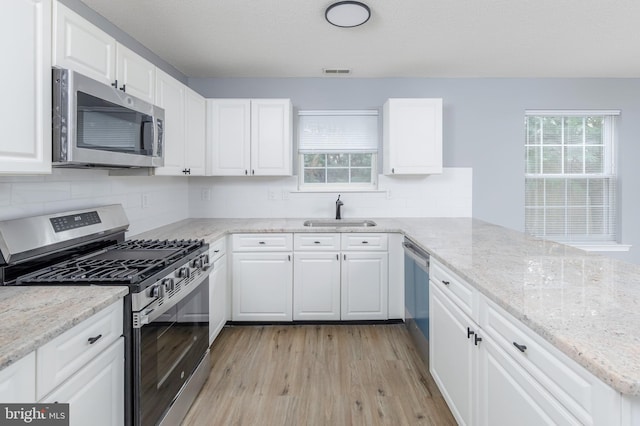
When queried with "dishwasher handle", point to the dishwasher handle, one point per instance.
{"points": [[417, 255]]}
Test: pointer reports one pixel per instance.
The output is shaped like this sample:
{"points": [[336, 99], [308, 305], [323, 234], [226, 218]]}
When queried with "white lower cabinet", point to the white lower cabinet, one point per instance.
{"points": [[316, 288], [364, 286], [493, 370], [218, 289], [262, 275], [95, 393], [452, 360], [18, 381]]}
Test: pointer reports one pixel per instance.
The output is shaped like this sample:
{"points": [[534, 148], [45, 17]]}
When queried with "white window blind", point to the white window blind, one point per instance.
{"points": [[338, 131], [570, 175]]}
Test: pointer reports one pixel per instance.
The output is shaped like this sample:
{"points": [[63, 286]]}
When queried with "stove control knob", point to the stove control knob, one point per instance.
{"points": [[196, 263], [157, 291], [183, 272], [205, 261], [168, 284]]}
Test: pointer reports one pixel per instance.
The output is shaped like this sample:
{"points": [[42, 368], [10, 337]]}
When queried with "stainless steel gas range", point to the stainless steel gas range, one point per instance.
{"points": [[166, 323]]}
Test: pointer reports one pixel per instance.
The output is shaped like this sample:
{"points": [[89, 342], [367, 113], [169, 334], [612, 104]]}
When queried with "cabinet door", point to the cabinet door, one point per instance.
{"points": [[170, 96], [412, 136], [316, 287], [195, 140], [95, 393], [25, 123], [271, 137], [364, 286], [81, 46], [135, 75], [217, 298], [18, 381], [262, 286], [229, 137], [452, 354], [508, 395]]}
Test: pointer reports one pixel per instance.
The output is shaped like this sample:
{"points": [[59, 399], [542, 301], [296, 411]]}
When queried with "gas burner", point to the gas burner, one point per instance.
{"points": [[129, 262]]}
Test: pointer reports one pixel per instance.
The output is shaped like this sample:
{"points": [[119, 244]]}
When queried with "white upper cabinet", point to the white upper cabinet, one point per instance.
{"points": [[81, 46], [25, 117], [194, 133], [271, 137], [184, 129], [249, 137], [412, 141], [135, 75]]}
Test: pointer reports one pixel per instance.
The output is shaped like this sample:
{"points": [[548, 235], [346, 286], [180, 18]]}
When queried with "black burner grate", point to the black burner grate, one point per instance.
{"points": [[128, 262]]}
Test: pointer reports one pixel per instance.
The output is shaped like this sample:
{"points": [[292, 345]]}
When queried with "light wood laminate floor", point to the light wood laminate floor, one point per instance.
{"points": [[317, 375]]}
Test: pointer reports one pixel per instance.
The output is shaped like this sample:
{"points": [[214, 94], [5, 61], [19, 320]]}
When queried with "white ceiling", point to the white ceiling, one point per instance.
{"points": [[403, 38]]}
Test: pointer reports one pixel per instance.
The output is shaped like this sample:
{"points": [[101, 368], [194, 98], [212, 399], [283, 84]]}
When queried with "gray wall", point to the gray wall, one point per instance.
{"points": [[483, 127]]}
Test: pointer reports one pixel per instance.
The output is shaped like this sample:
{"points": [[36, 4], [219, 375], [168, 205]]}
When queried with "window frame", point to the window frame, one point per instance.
{"points": [[337, 186], [607, 178]]}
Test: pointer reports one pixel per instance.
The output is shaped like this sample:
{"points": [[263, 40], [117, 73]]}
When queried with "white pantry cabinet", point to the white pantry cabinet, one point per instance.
{"points": [[25, 117], [81, 46], [493, 370], [184, 128], [249, 137], [262, 275], [412, 136]]}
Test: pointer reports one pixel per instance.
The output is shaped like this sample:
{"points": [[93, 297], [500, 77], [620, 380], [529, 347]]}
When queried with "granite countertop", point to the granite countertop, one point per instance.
{"points": [[586, 305], [33, 316]]}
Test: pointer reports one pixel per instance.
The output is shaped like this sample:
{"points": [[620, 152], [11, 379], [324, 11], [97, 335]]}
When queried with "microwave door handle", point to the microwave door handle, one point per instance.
{"points": [[148, 135]]}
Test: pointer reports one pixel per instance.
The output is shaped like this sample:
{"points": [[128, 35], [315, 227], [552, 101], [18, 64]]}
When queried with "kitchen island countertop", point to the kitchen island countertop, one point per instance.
{"points": [[586, 305]]}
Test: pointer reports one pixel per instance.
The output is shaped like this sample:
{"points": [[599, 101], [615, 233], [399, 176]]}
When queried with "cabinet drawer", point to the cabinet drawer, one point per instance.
{"points": [[577, 389], [316, 242], [260, 242], [461, 293], [63, 356], [217, 249], [364, 241]]}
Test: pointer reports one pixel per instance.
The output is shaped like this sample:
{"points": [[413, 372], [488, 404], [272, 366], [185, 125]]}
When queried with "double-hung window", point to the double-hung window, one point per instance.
{"points": [[570, 176], [338, 149]]}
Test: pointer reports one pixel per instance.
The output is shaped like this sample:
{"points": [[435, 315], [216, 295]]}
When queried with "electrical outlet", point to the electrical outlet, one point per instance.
{"points": [[205, 194], [145, 200], [285, 194], [271, 194]]}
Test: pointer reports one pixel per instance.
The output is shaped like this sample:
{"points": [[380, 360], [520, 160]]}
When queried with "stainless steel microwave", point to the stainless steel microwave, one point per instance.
{"points": [[95, 125]]}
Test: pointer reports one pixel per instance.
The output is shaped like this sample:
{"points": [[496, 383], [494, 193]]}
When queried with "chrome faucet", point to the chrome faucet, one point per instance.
{"points": [[338, 205]]}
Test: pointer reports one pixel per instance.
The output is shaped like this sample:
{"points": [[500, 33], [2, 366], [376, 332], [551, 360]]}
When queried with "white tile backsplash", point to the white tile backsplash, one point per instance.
{"points": [[69, 189], [152, 201], [446, 195]]}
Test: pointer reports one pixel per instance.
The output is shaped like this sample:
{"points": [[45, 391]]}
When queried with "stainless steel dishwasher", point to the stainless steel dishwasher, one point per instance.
{"points": [[416, 296]]}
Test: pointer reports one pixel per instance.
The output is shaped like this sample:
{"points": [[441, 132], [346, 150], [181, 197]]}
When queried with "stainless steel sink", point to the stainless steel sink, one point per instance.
{"points": [[338, 222]]}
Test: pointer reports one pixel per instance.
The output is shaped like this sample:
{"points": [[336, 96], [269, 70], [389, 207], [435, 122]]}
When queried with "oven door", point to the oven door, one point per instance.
{"points": [[167, 351]]}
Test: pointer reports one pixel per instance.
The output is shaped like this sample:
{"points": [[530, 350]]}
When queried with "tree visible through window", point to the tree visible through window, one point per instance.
{"points": [[570, 180]]}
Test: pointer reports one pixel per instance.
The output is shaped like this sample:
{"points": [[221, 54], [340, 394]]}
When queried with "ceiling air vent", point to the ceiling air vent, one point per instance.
{"points": [[336, 71]]}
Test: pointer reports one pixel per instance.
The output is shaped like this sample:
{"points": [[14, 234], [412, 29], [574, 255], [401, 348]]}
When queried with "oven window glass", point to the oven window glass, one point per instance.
{"points": [[106, 126], [171, 347]]}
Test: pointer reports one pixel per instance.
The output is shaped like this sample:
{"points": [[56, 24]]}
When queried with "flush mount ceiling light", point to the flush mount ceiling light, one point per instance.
{"points": [[347, 14]]}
